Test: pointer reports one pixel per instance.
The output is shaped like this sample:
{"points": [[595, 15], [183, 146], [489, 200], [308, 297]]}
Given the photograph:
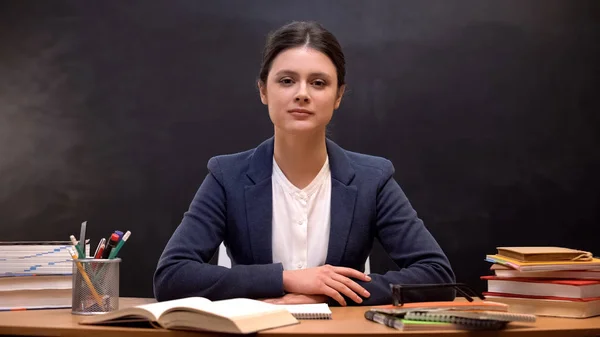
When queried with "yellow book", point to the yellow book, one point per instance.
{"points": [[537, 254], [594, 263]]}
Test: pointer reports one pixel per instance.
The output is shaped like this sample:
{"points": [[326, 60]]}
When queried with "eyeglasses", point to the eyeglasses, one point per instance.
{"points": [[462, 288]]}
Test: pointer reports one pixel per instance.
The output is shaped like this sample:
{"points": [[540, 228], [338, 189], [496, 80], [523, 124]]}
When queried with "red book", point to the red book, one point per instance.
{"points": [[503, 271]]}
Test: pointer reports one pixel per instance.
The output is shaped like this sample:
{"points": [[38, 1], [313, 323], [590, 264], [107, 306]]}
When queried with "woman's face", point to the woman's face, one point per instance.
{"points": [[301, 91]]}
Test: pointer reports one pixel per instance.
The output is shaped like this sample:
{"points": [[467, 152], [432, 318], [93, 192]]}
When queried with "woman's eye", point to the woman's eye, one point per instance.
{"points": [[286, 81], [319, 83]]}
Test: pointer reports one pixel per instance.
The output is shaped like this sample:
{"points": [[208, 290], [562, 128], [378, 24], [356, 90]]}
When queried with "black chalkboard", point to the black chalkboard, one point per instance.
{"points": [[109, 111]]}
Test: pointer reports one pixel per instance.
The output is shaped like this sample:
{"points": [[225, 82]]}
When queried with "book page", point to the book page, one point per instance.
{"points": [[159, 308], [151, 311], [239, 307]]}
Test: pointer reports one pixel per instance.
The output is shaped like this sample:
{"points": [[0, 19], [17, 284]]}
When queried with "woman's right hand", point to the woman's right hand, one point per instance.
{"points": [[326, 280]]}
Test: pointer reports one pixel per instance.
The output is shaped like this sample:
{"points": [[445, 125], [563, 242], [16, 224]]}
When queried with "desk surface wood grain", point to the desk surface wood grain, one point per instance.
{"points": [[345, 322]]}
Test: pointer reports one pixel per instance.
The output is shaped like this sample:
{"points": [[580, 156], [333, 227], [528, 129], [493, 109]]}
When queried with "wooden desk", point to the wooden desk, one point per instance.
{"points": [[346, 322]]}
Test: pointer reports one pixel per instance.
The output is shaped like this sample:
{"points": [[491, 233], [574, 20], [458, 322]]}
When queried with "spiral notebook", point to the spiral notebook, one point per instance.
{"points": [[471, 319], [309, 311], [491, 315], [440, 322]]}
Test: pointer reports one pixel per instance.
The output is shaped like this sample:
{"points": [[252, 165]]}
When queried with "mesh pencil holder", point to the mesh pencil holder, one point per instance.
{"points": [[95, 286]]}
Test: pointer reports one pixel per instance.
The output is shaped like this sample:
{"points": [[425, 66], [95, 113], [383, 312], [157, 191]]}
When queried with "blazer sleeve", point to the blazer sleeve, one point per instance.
{"points": [[183, 269], [410, 245]]}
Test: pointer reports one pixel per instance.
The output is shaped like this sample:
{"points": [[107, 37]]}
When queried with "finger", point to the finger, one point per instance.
{"points": [[335, 295], [272, 300], [342, 288], [349, 272], [302, 299], [296, 300], [355, 287]]}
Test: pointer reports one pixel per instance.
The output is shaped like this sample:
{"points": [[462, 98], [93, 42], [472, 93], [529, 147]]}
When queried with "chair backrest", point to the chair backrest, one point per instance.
{"points": [[224, 261]]}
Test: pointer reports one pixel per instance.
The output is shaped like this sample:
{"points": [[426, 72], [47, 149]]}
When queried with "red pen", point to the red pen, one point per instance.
{"points": [[102, 241], [100, 251], [98, 255]]}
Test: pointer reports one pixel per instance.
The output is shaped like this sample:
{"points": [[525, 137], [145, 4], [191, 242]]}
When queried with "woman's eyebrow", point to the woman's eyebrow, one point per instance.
{"points": [[293, 73], [286, 72], [321, 75]]}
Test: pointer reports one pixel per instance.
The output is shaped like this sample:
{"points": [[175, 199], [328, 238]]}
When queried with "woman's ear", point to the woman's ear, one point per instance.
{"points": [[262, 89], [340, 93]]}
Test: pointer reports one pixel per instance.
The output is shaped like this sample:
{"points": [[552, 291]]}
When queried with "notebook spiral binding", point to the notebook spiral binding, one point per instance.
{"points": [[307, 315], [486, 324], [490, 315]]}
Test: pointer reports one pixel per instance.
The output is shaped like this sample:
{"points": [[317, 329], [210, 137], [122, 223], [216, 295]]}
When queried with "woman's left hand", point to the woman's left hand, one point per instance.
{"points": [[298, 299]]}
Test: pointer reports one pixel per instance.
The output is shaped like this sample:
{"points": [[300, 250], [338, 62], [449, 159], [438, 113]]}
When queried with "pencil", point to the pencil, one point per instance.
{"points": [[86, 278], [76, 245]]}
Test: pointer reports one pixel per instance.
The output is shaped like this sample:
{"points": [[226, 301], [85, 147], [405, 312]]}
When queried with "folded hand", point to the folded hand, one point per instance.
{"points": [[326, 280], [297, 299]]}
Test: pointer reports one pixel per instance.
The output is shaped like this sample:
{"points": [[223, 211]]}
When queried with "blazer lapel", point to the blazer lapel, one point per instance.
{"points": [[343, 199], [342, 211], [259, 203]]}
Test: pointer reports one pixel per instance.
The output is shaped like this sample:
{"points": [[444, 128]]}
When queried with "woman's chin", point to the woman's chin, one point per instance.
{"points": [[299, 129]]}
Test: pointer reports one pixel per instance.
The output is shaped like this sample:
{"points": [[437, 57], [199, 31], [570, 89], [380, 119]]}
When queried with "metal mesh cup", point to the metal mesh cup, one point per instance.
{"points": [[95, 286]]}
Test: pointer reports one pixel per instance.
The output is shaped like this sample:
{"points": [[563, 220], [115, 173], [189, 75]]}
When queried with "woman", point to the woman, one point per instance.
{"points": [[298, 214]]}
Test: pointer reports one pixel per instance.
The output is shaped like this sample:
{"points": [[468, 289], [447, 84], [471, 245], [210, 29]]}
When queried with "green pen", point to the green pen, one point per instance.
{"points": [[115, 251]]}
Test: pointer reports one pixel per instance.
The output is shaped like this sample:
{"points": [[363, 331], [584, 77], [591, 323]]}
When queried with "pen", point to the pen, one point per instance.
{"points": [[115, 251], [86, 278], [82, 238], [384, 319], [76, 245], [102, 241], [98, 254], [112, 243]]}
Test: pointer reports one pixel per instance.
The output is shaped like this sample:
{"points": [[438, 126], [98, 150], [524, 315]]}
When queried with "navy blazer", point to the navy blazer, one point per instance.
{"points": [[234, 205]]}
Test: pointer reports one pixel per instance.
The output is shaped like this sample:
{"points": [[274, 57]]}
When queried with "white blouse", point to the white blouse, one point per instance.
{"points": [[301, 220]]}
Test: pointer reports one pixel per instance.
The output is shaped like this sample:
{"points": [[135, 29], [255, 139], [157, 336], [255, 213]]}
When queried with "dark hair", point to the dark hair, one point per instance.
{"points": [[300, 33]]}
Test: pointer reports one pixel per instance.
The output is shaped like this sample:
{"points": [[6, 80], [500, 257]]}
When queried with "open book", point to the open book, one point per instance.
{"points": [[238, 315]]}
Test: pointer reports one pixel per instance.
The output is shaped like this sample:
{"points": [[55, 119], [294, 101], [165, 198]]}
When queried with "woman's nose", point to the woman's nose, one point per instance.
{"points": [[302, 94]]}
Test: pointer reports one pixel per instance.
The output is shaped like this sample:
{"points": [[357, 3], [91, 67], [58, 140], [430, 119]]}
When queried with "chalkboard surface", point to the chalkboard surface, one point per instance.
{"points": [[489, 110]]}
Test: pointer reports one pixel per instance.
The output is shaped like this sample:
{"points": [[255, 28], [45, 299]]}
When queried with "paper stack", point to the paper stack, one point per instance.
{"points": [[35, 275]]}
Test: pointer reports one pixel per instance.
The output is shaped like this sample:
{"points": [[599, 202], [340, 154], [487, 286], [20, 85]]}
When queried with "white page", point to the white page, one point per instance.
{"points": [[316, 308], [157, 309], [237, 307]]}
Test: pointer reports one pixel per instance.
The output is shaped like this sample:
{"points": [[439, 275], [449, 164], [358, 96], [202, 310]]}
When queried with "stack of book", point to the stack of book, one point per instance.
{"points": [[35, 275], [545, 281]]}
